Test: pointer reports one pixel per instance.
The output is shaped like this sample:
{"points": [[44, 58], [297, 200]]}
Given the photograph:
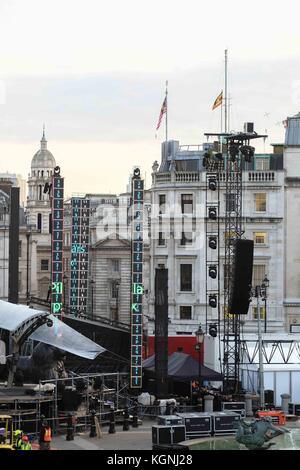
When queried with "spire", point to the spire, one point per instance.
{"points": [[43, 141]]}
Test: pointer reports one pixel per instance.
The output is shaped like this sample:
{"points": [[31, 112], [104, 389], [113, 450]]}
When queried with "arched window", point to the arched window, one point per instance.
{"points": [[40, 192], [42, 173], [39, 222]]}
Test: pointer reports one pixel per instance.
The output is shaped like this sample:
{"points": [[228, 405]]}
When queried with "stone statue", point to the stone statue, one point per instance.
{"points": [[256, 434]]}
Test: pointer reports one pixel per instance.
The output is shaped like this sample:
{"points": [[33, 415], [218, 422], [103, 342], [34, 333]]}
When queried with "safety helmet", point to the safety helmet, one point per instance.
{"points": [[18, 432], [25, 438]]}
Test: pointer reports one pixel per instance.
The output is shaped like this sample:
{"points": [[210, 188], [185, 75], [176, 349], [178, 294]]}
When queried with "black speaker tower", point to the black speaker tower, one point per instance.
{"points": [[13, 270], [161, 332], [242, 277]]}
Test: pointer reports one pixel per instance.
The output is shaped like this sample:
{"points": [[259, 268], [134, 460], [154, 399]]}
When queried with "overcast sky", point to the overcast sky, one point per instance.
{"points": [[94, 71]]}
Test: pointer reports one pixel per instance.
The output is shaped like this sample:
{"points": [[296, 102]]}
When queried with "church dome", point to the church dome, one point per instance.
{"points": [[43, 158]]}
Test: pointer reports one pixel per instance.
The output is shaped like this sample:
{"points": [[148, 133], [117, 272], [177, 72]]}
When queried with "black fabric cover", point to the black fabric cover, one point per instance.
{"points": [[184, 367]]}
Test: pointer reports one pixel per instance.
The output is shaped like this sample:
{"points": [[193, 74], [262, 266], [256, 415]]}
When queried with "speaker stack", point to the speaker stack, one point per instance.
{"points": [[242, 277]]}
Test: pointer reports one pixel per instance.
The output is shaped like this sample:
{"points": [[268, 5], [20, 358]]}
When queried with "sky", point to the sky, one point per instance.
{"points": [[94, 72]]}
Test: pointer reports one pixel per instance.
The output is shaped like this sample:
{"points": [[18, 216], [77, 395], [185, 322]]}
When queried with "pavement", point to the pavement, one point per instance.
{"points": [[135, 439]]}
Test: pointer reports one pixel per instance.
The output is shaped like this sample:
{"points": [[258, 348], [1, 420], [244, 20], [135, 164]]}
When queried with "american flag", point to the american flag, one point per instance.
{"points": [[162, 112]]}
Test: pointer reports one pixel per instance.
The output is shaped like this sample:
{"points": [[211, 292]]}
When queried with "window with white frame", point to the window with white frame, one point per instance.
{"points": [[260, 202], [259, 272], [262, 313], [262, 164], [260, 238]]}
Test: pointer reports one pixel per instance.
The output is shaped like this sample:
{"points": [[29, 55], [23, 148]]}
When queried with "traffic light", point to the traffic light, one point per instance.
{"points": [[213, 243], [213, 301], [213, 330]]}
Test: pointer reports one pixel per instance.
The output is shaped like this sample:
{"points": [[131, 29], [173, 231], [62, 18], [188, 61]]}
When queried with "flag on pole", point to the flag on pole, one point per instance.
{"points": [[219, 101], [162, 112]]}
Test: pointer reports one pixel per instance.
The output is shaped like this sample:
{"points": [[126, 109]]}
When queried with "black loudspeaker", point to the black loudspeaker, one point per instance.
{"points": [[242, 277], [161, 332]]}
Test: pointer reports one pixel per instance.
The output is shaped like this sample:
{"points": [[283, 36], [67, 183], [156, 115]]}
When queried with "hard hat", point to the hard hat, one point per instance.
{"points": [[17, 432], [25, 438]]}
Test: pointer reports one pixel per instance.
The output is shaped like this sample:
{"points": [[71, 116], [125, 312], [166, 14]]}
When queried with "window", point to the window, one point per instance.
{"points": [[20, 249], [162, 203], [230, 202], [260, 238], [259, 272], [44, 265], [186, 203], [260, 202], [40, 192], [115, 265], [115, 290], [186, 277], [186, 238], [185, 313], [161, 239], [262, 164], [20, 281], [262, 313], [67, 238], [161, 266], [39, 222]]}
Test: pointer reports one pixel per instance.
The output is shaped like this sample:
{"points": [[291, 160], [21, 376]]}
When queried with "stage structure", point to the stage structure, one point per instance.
{"points": [[235, 150], [57, 242], [79, 255], [137, 280]]}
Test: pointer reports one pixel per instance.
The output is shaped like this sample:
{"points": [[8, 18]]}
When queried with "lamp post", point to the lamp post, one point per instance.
{"points": [[265, 285], [200, 338]]}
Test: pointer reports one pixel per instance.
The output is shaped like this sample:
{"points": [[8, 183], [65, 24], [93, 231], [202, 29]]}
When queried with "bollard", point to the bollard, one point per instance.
{"points": [[126, 419], [248, 400], [135, 422], [93, 432], [285, 399], [70, 428], [208, 404], [112, 424]]}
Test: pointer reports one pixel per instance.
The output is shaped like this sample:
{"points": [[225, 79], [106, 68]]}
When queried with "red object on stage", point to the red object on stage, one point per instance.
{"points": [[184, 344]]}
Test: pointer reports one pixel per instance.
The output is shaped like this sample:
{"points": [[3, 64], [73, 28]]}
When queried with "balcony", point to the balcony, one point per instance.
{"points": [[261, 176]]}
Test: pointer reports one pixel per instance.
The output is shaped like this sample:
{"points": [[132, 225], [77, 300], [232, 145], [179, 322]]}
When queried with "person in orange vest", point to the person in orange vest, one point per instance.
{"points": [[45, 437]]}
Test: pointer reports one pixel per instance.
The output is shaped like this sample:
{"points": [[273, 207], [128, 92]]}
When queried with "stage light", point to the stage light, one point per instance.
{"points": [[213, 301], [213, 272], [248, 152], [56, 171], [233, 152], [212, 184], [213, 243], [212, 213], [49, 323], [213, 330], [136, 173]]}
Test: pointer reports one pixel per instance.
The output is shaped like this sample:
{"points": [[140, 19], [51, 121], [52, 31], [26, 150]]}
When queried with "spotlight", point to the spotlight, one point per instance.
{"points": [[213, 330], [212, 184], [49, 323], [57, 171], [213, 272], [212, 213], [233, 152], [213, 243], [248, 152], [213, 301], [136, 173]]}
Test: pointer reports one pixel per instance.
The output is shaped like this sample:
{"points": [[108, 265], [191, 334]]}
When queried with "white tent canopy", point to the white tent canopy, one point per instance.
{"points": [[59, 335]]}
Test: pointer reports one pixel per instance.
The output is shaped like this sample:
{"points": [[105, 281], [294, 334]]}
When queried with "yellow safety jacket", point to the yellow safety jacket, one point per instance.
{"points": [[26, 446]]}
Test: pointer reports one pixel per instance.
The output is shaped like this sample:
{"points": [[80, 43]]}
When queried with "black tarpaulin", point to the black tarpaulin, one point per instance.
{"points": [[184, 367]]}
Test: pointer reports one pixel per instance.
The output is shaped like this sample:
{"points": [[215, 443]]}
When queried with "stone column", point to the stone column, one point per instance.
{"points": [[248, 400], [33, 283], [208, 404], [285, 400]]}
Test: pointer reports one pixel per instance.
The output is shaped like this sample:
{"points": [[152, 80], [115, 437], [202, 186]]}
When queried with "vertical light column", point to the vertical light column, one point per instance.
{"points": [[57, 242], [137, 281]]}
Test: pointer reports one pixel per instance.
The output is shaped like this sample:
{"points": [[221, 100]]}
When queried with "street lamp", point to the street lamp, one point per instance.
{"points": [[200, 339], [265, 285]]}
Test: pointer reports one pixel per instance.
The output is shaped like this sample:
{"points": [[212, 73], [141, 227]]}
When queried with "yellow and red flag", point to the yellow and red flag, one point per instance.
{"points": [[219, 101]]}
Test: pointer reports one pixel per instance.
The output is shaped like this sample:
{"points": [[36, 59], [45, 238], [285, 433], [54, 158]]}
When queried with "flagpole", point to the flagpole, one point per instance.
{"points": [[226, 86], [167, 111]]}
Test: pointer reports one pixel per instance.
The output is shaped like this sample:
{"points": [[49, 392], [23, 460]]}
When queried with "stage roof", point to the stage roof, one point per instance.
{"points": [[59, 335]]}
